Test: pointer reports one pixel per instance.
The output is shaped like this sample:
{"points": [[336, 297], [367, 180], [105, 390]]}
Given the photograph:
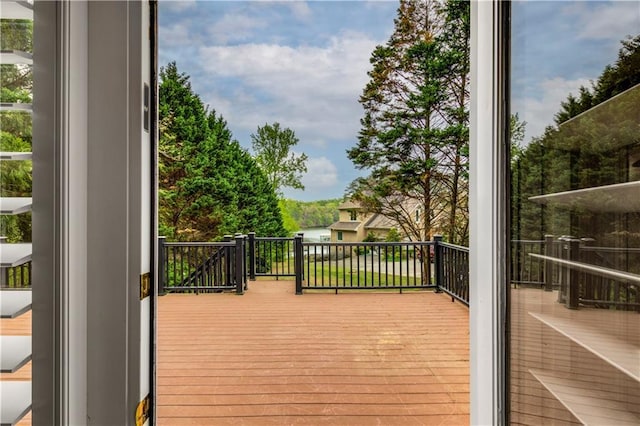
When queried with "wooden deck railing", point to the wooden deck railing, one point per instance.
{"points": [[219, 266]]}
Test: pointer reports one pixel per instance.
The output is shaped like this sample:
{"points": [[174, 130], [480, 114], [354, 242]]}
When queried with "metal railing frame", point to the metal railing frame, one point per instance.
{"points": [[383, 265], [228, 262]]}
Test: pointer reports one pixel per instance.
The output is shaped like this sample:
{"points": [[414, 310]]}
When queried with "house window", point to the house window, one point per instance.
{"points": [[353, 215], [339, 235]]}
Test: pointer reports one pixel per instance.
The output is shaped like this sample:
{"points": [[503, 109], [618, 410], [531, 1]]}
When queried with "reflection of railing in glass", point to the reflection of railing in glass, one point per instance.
{"points": [[583, 274]]}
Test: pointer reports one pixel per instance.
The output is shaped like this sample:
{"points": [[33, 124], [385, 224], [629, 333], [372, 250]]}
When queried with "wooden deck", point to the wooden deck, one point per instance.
{"points": [[270, 357]]}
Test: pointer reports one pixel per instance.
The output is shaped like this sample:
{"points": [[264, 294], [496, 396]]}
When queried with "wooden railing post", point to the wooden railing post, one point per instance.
{"points": [[301, 234], [162, 272], [252, 256], [239, 264], [227, 260], [589, 281], [548, 266], [573, 298], [438, 261], [563, 270], [298, 261]]}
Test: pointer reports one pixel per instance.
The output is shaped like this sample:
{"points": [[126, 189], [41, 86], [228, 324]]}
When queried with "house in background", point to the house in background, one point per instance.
{"points": [[355, 223]]}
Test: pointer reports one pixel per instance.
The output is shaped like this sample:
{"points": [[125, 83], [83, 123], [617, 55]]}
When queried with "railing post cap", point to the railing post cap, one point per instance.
{"points": [[252, 234], [437, 237]]}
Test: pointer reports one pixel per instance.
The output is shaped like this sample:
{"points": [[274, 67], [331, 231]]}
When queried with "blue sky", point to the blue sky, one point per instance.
{"points": [[558, 47], [304, 65]]}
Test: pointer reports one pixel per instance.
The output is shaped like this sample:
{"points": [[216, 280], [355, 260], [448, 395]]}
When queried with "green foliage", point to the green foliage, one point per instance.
{"points": [[16, 83], [17, 34], [370, 238], [312, 214], [209, 185], [516, 133], [582, 151], [615, 79], [290, 224], [393, 236], [16, 182], [414, 136], [272, 147]]}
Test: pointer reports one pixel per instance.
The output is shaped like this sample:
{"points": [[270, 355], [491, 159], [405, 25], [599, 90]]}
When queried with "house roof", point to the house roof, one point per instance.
{"points": [[379, 221], [345, 226], [349, 205]]}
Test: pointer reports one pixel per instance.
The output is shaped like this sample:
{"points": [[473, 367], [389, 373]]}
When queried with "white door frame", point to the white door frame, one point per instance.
{"points": [[92, 212], [488, 207]]}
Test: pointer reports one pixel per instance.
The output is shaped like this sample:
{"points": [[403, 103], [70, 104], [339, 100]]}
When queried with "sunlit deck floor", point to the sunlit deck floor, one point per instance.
{"points": [[270, 357]]}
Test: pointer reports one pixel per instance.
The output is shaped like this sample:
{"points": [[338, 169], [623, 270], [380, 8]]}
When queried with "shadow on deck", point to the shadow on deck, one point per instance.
{"points": [[271, 357]]}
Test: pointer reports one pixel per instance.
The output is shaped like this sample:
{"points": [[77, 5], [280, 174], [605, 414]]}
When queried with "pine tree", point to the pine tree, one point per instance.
{"points": [[414, 133]]}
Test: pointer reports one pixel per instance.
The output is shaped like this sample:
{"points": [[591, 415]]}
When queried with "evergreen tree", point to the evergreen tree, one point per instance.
{"points": [[209, 185], [414, 135], [581, 151]]}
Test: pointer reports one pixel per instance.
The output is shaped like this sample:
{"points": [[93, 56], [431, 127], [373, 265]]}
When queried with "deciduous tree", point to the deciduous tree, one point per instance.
{"points": [[272, 149]]}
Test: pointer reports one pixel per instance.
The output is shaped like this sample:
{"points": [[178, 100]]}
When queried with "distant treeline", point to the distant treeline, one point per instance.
{"points": [[311, 214]]}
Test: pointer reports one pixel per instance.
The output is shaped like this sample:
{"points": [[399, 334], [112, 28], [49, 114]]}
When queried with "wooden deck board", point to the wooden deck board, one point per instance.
{"points": [[271, 357]]}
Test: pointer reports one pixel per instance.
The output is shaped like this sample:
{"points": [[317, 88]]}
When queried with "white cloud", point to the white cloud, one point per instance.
{"points": [[174, 35], [234, 27], [538, 112], [321, 174], [300, 9], [312, 90], [178, 5], [605, 20]]}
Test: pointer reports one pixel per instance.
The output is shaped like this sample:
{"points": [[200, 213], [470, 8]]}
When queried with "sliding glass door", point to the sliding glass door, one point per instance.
{"points": [[574, 288]]}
